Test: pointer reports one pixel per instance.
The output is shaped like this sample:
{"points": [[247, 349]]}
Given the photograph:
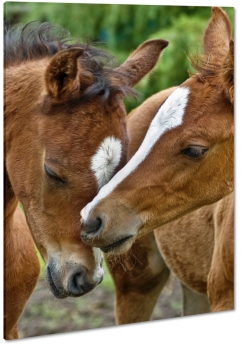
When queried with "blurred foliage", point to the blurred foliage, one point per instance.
{"points": [[121, 28]]}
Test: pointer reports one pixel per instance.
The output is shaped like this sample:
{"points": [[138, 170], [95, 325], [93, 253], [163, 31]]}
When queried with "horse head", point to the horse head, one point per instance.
{"points": [[65, 137], [186, 158]]}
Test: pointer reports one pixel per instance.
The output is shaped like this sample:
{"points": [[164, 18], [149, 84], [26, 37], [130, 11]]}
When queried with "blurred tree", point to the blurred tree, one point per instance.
{"points": [[121, 28]]}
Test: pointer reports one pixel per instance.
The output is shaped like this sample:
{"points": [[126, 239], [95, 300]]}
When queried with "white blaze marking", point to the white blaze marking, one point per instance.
{"points": [[106, 159], [168, 116]]}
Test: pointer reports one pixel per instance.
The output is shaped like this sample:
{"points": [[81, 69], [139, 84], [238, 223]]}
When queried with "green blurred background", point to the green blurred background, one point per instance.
{"points": [[119, 29]]}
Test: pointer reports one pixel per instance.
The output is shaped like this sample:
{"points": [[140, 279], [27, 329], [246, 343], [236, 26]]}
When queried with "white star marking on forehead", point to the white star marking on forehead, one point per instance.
{"points": [[106, 159]]}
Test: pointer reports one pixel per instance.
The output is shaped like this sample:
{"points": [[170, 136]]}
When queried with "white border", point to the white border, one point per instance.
{"points": [[214, 335]]}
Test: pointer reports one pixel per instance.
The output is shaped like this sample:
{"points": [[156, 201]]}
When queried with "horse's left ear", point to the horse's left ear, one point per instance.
{"points": [[62, 74], [217, 35]]}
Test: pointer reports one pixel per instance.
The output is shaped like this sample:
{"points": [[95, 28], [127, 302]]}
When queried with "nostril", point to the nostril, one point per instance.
{"points": [[79, 284], [91, 226], [76, 283]]}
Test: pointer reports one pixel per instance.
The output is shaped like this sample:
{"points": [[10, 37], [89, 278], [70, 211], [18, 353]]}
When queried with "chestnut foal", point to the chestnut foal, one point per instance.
{"points": [[185, 162], [65, 137]]}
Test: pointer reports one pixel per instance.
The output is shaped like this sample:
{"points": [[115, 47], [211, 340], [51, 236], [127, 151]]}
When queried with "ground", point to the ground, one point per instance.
{"points": [[44, 314]]}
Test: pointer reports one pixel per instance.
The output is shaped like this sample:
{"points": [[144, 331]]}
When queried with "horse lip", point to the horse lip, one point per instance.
{"points": [[57, 293], [110, 247], [100, 280]]}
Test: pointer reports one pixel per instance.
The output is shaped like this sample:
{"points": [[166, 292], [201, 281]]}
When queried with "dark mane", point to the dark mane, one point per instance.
{"points": [[32, 42], [36, 40]]}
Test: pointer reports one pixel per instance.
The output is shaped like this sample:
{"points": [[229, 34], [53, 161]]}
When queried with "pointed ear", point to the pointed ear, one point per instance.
{"points": [[141, 61], [217, 35], [227, 73], [62, 73]]}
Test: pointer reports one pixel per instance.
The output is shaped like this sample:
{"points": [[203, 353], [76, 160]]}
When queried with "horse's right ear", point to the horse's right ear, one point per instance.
{"points": [[227, 73], [62, 74], [141, 61], [219, 49]]}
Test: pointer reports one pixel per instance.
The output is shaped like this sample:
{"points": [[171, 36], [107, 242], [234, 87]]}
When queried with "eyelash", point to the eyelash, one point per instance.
{"points": [[49, 172], [194, 152]]}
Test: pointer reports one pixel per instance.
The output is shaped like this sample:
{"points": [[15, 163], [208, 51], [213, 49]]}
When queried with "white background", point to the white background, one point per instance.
{"points": [[225, 334]]}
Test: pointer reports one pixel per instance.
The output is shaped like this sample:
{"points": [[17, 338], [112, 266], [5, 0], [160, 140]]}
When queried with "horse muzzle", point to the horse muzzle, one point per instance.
{"points": [[111, 231], [77, 283]]}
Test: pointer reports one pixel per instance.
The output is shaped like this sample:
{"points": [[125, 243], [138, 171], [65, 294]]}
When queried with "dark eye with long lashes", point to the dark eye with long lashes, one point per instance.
{"points": [[52, 175], [194, 151]]}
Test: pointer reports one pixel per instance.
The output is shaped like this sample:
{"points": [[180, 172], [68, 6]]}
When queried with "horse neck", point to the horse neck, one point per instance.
{"points": [[23, 89]]}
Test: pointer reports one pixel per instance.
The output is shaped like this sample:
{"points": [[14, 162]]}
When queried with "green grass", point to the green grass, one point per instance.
{"points": [[42, 264], [107, 280]]}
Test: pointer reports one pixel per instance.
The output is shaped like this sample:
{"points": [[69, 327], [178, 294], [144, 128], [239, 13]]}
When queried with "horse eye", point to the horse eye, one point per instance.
{"points": [[51, 174], [194, 151]]}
